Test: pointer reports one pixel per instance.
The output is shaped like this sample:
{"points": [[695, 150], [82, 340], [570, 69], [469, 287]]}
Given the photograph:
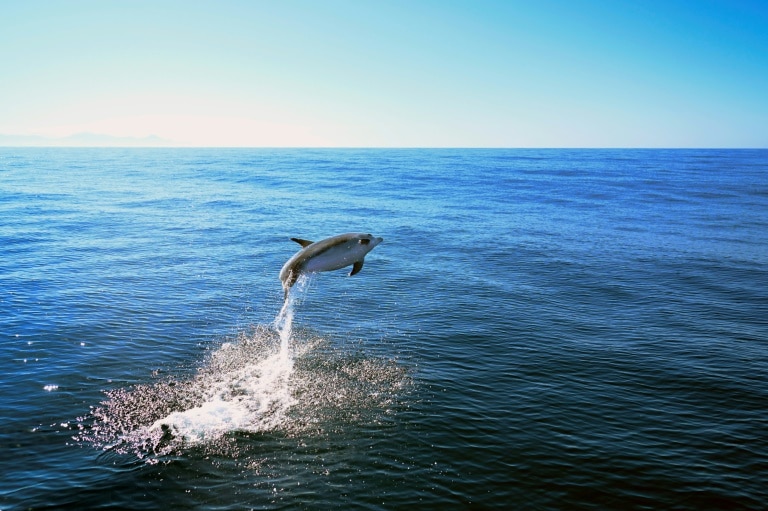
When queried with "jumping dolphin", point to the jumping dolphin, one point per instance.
{"points": [[327, 255]]}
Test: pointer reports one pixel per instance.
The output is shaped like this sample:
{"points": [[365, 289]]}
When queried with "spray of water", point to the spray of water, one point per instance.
{"points": [[271, 379], [253, 397], [283, 323]]}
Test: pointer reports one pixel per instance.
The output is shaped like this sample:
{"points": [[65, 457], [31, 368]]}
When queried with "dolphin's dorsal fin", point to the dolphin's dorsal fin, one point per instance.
{"points": [[356, 267], [303, 243]]}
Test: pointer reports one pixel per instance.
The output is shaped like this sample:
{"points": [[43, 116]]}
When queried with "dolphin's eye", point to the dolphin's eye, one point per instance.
{"points": [[364, 241]]}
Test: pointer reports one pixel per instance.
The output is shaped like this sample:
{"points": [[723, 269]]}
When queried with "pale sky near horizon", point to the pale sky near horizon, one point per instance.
{"points": [[395, 73]]}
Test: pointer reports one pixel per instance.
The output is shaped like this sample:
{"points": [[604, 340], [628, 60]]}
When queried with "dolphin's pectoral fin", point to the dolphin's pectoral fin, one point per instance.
{"points": [[303, 243], [356, 267]]}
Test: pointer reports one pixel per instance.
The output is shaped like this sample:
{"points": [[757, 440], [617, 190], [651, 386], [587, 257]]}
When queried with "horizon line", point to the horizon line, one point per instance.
{"points": [[425, 147], [95, 140]]}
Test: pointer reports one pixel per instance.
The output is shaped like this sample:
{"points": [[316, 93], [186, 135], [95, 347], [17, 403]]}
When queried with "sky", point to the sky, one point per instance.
{"points": [[387, 73]]}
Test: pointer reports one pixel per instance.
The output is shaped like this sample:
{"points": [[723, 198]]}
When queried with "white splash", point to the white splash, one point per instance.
{"points": [[251, 397], [249, 385]]}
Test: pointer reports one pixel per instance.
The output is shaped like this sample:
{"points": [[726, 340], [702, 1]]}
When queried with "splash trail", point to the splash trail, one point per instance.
{"points": [[270, 379]]}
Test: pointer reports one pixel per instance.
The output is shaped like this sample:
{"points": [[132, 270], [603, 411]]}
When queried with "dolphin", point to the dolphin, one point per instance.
{"points": [[328, 255]]}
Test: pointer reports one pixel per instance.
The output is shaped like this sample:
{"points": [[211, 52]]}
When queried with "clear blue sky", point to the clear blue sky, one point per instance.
{"points": [[429, 73]]}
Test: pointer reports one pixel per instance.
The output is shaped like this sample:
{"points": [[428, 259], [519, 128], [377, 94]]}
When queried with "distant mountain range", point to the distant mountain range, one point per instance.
{"points": [[83, 140]]}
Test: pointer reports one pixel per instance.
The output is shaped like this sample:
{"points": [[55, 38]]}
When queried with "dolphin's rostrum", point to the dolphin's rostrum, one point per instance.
{"points": [[327, 255]]}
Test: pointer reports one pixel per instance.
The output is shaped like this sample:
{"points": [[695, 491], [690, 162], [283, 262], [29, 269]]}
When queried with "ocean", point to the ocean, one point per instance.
{"points": [[540, 329]]}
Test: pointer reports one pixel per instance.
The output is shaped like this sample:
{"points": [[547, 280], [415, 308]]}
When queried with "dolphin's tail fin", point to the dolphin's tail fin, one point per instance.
{"points": [[293, 276]]}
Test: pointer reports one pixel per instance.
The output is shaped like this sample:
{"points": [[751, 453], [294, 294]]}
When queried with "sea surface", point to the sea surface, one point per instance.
{"points": [[539, 329]]}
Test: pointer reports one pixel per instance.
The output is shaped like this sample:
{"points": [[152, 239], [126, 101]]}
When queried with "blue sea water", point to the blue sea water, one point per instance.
{"points": [[540, 329]]}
